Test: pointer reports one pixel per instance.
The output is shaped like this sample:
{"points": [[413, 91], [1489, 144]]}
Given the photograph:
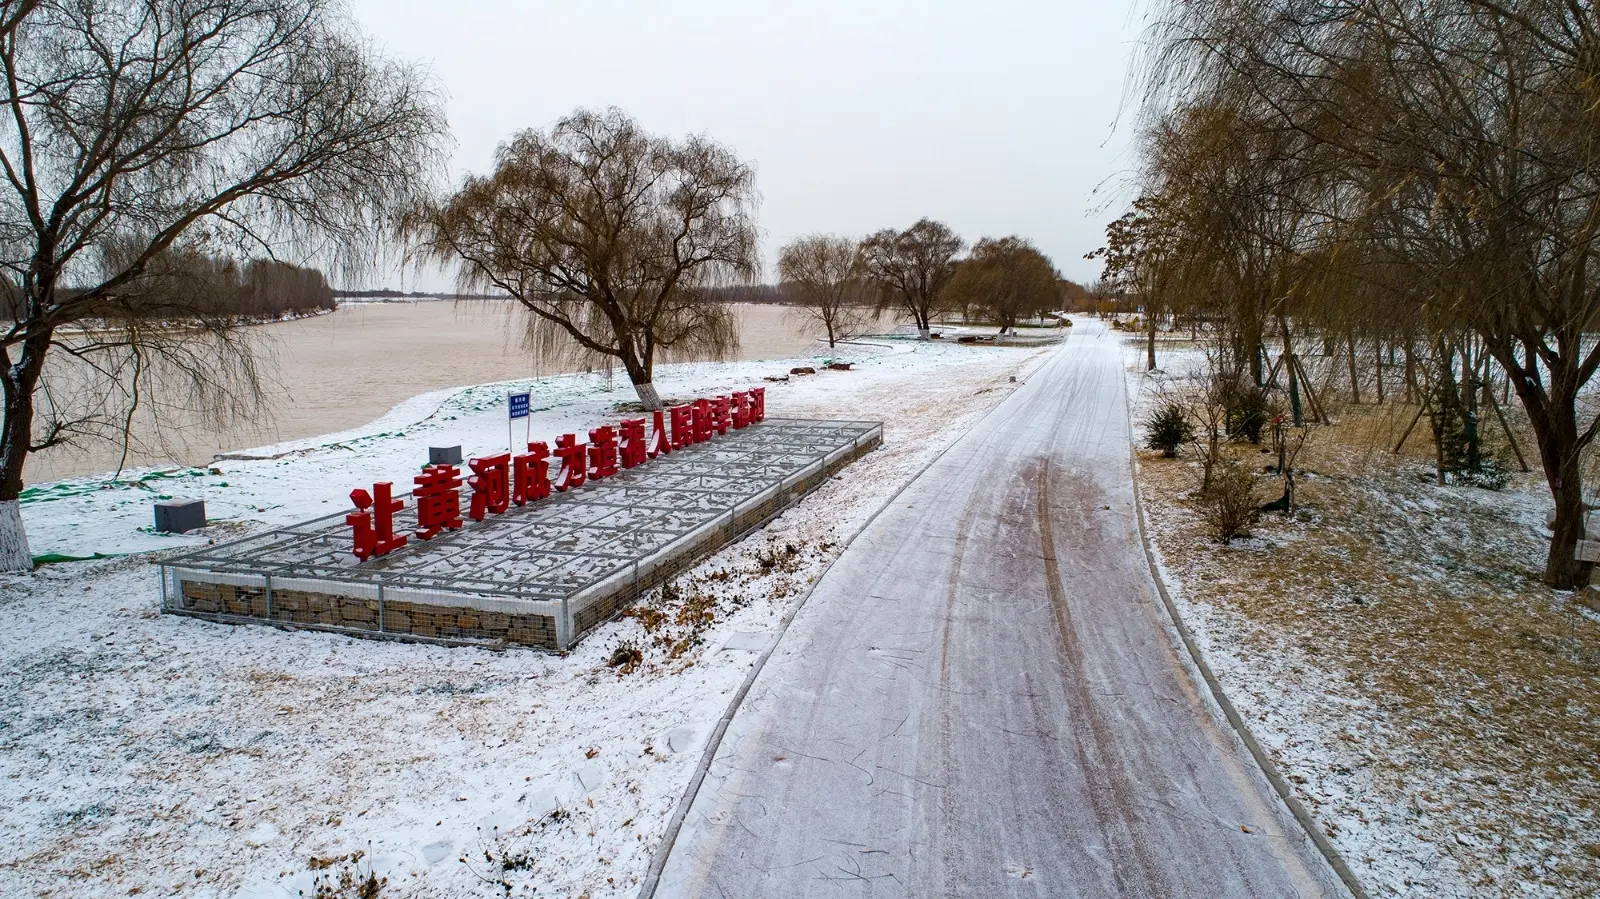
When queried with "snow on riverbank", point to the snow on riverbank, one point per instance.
{"points": [[159, 755]]}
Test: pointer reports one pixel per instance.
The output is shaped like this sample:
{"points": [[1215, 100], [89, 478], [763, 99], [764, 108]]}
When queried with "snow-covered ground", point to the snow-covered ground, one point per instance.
{"points": [[160, 755], [1391, 647]]}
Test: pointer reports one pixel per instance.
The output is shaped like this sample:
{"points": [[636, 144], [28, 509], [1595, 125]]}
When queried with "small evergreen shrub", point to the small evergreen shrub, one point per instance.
{"points": [[1167, 430], [1491, 475], [1247, 412]]}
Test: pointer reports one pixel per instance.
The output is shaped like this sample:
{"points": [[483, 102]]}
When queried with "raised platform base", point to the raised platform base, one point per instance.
{"points": [[542, 575]]}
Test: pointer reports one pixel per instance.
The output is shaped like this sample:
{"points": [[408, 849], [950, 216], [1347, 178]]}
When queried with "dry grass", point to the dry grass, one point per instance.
{"points": [[1472, 689]]}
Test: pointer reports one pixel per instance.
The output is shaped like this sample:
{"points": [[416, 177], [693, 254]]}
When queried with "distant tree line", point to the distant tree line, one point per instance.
{"points": [[920, 273], [187, 286], [389, 293]]}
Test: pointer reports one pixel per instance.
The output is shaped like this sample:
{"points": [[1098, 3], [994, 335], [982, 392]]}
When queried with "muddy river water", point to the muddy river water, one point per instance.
{"points": [[348, 367]]}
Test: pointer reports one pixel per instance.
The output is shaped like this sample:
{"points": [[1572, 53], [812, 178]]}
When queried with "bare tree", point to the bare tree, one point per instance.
{"points": [[133, 128], [1006, 279], [828, 275], [608, 235], [912, 267], [1435, 160], [12, 12]]}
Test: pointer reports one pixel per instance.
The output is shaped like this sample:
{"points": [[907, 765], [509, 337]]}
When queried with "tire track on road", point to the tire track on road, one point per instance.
{"points": [[1138, 874]]}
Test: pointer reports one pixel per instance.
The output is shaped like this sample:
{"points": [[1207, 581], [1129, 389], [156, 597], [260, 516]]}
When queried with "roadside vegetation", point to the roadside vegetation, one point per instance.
{"points": [[1388, 639], [1361, 263], [1412, 186]]}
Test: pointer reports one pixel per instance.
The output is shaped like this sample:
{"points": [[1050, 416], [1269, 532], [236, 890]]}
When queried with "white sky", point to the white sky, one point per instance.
{"points": [[996, 117]]}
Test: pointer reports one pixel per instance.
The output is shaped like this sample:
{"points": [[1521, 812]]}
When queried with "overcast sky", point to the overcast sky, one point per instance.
{"points": [[996, 116]]}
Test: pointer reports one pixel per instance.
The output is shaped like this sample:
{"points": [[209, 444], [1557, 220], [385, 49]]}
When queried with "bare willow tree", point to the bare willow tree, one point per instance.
{"points": [[912, 267], [1438, 162], [1006, 280], [136, 131], [827, 274], [608, 235]]}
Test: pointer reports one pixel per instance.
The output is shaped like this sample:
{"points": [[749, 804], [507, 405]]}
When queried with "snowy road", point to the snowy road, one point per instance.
{"points": [[983, 697]]}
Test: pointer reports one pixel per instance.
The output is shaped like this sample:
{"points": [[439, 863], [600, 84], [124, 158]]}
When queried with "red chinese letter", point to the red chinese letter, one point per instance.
{"points": [[602, 452], [361, 521], [374, 529], [574, 458], [682, 426], [438, 494], [721, 417], [491, 485], [383, 511], [758, 404], [659, 443], [633, 447], [531, 474], [702, 420], [741, 409]]}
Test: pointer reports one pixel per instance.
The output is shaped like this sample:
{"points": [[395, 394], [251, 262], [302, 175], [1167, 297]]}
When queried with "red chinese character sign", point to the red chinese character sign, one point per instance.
{"points": [[602, 452], [491, 485], [530, 472], [574, 458], [373, 521], [499, 481], [634, 452], [438, 496]]}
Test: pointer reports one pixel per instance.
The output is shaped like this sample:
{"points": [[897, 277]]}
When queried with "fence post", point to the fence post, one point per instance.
{"points": [[381, 628]]}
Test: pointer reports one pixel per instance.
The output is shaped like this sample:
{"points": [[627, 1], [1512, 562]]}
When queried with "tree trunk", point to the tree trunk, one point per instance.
{"points": [[14, 552], [19, 379], [1211, 459], [648, 398], [1562, 569], [1469, 407], [1150, 345], [1355, 384], [924, 316], [640, 376], [1411, 373], [1554, 417], [1559, 451], [1293, 372], [1255, 349], [1380, 371]]}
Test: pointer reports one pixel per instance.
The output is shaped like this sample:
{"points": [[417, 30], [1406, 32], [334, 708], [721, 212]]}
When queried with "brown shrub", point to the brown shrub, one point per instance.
{"points": [[1230, 507]]}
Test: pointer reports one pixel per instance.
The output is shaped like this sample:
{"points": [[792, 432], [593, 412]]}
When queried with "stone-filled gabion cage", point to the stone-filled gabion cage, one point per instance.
{"points": [[540, 575]]}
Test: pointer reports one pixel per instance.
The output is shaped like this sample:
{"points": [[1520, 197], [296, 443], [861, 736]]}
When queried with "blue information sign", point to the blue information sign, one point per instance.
{"points": [[519, 404]]}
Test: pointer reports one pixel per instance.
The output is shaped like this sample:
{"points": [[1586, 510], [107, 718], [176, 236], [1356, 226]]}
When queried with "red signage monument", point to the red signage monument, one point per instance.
{"points": [[504, 479]]}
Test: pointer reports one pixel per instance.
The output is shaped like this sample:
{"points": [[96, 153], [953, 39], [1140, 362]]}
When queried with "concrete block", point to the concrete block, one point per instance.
{"points": [[444, 455], [175, 516]]}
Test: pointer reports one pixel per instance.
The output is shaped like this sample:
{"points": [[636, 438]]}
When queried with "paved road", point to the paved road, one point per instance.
{"points": [[983, 697]]}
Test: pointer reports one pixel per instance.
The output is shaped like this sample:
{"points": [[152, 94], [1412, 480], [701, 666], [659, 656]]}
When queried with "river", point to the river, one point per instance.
{"points": [[345, 368]]}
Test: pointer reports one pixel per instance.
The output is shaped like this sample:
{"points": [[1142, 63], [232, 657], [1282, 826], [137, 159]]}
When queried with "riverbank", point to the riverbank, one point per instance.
{"points": [[342, 369]]}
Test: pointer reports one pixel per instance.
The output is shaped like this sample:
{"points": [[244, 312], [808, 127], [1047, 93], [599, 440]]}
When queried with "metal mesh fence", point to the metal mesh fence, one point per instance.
{"points": [[542, 574]]}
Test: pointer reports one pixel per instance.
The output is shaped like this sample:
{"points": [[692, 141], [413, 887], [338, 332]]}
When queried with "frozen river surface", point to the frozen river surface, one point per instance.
{"points": [[341, 370]]}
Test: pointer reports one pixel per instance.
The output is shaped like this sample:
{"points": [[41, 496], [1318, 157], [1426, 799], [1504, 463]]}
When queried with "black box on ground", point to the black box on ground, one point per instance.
{"points": [[175, 516]]}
